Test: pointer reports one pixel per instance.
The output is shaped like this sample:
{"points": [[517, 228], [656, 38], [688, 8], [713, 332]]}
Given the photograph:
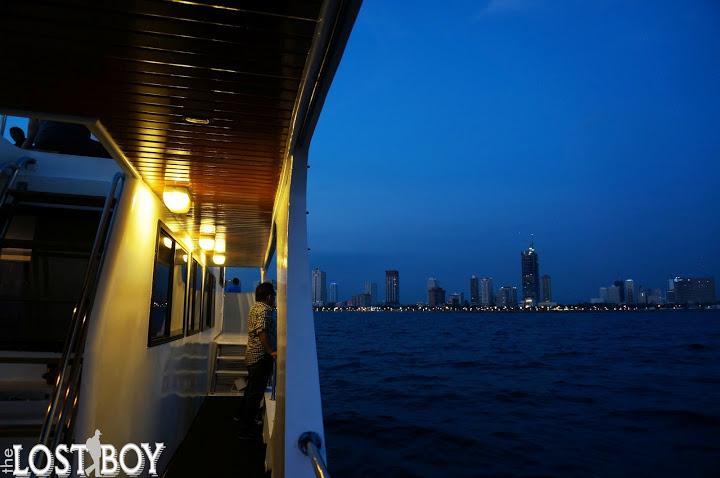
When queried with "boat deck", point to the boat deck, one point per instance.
{"points": [[212, 447]]}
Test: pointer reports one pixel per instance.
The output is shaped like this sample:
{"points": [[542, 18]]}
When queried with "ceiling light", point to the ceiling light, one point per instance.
{"points": [[177, 199], [218, 259], [193, 120], [167, 242], [207, 243], [207, 229], [219, 245]]}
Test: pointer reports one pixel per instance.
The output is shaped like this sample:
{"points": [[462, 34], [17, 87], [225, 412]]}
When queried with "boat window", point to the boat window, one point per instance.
{"points": [[51, 136], [209, 299], [167, 306], [195, 299]]}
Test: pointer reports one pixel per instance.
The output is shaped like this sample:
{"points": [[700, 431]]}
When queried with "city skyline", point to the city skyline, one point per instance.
{"points": [[482, 291], [591, 125]]}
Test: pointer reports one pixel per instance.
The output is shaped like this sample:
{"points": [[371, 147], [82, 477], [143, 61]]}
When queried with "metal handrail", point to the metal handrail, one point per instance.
{"points": [[3, 122], [15, 167], [310, 444], [71, 363], [273, 383]]}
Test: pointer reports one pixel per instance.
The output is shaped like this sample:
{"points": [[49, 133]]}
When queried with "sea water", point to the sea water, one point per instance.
{"points": [[609, 394]]}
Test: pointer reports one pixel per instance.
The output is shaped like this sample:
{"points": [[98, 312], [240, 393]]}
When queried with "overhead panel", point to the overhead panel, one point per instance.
{"points": [[194, 93]]}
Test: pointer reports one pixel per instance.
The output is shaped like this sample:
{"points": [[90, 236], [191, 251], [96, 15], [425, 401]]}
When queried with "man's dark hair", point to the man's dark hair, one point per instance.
{"points": [[18, 135], [264, 290], [236, 281]]}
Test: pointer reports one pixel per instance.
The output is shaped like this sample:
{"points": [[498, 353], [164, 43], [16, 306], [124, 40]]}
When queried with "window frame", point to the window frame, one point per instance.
{"points": [[209, 298], [162, 229], [190, 296]]}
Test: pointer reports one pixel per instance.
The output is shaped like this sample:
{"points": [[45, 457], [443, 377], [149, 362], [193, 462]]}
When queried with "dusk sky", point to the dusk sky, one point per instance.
{"points": [[453, 133]]}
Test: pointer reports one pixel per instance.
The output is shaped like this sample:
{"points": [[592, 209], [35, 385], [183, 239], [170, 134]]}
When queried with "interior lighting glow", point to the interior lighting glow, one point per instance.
{"points": [[207, 243], [167, 242], [193, 120], [220, 245], [207, 229], [177, 199], [218, 259]]}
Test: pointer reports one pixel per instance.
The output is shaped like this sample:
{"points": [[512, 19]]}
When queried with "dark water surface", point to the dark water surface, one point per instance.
{"points": [[611, 394]]}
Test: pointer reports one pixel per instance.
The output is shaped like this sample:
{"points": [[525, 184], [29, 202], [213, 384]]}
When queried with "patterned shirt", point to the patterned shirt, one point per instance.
{"points": [[260, 319]]}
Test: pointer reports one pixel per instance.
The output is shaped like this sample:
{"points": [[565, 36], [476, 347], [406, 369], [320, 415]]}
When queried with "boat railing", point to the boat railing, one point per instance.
{"points": [[3, 122], [63, 402], [273, 384], [13, 170], [310, 444]]}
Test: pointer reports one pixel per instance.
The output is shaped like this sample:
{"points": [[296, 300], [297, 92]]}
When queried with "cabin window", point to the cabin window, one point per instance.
{"points": [[167, 306], [209, 299], [195, 299]]}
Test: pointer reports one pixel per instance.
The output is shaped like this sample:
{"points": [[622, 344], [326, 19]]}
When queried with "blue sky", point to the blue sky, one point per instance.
{"points": [[453, 133]]}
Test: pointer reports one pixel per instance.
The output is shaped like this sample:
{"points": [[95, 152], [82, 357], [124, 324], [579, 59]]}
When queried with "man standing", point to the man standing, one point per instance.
{"points": [[260, 355]]}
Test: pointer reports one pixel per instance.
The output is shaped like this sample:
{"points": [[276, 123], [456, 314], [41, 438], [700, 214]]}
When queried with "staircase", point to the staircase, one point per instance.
{"points": [[51, 249], [230, 372]]}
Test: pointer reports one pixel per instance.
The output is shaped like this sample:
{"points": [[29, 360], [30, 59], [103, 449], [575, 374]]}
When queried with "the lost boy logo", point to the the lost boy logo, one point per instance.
{"points": [[105, 460]]}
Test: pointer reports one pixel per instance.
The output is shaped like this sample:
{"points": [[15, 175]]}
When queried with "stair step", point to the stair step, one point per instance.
{"points": [[231, 357], [240, 393], [42, 197], [239, 373], [20, 430]]}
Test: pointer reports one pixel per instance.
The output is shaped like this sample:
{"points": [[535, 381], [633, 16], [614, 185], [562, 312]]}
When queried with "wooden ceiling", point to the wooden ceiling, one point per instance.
{"points": [[142, 67]]}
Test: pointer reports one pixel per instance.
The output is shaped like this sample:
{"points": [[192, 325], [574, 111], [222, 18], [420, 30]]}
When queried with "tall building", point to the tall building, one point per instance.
{"points": [[436, 296], [487, 293], [694, 290], [474, 290], [456, 298], [630, 297], [506, 296], [432, 282], [614, 295], [546, 289], [530, 275], [318, 287], [333, 293], [604, 298], [392, 287], [621, 291], [371, 289]]}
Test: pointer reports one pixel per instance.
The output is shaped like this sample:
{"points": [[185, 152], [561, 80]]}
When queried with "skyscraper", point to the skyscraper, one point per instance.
{"points": [[604, 298], [546, 289], [530, 275], [506, 296], [689, 290], [371, 289], [436, 296], [318, 287], [621, 291], [392, 287], [456, 298], [487, 293], [474, 290], [630, 291], [432, 282], [333, 293], [614, 295]]}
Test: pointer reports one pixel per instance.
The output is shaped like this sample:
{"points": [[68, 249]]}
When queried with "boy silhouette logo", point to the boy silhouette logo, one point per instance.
{"points": [[94, 448]]}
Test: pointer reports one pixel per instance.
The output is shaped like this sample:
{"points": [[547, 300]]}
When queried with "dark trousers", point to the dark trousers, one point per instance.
{"points": [[258, 375]]}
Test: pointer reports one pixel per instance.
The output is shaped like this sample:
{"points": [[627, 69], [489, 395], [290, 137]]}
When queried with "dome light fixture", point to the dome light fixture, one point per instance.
{"points": [[218, 259], [177, 199], [206, 243]]}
